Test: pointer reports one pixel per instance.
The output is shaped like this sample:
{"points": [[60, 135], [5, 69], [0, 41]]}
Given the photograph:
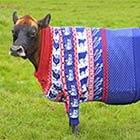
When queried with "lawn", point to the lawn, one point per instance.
{"points": [[24, 112]]}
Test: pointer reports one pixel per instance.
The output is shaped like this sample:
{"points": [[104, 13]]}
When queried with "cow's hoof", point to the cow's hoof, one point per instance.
{"points": [[75, 129]]}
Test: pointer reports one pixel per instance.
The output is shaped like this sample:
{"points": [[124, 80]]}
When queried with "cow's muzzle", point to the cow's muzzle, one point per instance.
{"points": [[17, 51]]}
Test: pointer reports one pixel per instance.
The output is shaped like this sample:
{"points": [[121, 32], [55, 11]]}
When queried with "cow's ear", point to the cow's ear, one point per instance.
{"points": [[44, 22], [15, 17]]}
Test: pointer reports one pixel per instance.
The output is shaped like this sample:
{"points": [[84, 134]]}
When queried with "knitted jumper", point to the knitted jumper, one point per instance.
{"points": [[80, 64]]}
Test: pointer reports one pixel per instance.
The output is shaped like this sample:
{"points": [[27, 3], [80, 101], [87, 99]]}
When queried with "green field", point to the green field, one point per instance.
{"points": [[24, 112]]}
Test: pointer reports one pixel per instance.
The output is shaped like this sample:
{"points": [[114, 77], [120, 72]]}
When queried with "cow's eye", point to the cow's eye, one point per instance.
{"points": [[31, 34], [14, 33]]}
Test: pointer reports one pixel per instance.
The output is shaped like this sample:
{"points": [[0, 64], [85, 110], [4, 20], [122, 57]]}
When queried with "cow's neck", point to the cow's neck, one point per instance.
{"points": [[35, 57]]}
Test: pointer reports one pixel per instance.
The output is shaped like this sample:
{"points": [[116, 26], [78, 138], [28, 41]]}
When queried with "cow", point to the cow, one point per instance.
{"points": [[79, 64]]}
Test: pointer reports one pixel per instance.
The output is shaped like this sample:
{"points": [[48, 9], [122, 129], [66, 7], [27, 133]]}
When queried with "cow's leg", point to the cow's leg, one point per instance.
{"points": [[69, 122], [74, 127]]}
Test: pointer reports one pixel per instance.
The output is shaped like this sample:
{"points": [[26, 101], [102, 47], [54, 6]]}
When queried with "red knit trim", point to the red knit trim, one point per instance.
{"points": [[62, 72], [90, 64], [105, 64], [76, 61], [44, 70]]}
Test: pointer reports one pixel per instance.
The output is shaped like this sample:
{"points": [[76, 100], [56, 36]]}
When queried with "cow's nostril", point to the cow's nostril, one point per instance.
{"points": [[17, 51]]}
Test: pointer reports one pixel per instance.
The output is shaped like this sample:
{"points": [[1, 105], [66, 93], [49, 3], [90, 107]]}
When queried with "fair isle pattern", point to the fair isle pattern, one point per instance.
{"points": [[73, 59], [90, 64], [70, 72], [75, 44], [98, 64], [82, 52], [56, 86], [65, 93]]}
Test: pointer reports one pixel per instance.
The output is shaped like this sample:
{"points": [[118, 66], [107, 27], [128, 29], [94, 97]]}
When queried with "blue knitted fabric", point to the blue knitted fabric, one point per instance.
{"points": [[123, 46]]}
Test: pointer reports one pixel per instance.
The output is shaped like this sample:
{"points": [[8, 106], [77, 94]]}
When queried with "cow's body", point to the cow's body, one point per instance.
{"points": [[90, 64], [76, 64]]}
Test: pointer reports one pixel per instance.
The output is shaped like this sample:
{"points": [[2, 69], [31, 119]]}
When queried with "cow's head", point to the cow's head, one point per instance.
{"points": [[25, 34]]}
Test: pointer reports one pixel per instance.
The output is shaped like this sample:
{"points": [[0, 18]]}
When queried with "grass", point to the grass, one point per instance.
{"points": [[24, 112]]}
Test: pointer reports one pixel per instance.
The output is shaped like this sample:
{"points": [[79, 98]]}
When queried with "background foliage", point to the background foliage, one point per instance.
{"points": [[24, 112]]}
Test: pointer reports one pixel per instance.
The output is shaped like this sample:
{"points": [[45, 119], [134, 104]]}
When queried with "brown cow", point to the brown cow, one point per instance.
{"points": [[79, 64]]}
